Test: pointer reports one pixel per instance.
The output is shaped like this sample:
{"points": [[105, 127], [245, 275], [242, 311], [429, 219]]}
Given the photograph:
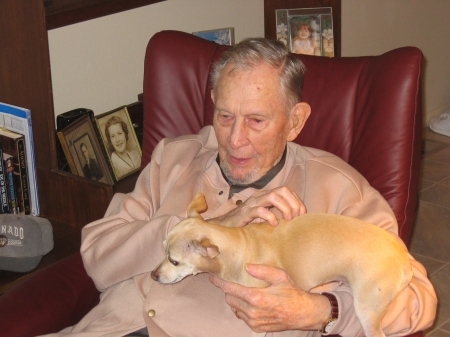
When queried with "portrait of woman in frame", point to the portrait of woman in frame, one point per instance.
{"points": [[120, 142]]}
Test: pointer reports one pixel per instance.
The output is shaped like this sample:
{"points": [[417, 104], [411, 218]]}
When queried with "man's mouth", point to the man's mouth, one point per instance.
{"points": [[239, 161]]}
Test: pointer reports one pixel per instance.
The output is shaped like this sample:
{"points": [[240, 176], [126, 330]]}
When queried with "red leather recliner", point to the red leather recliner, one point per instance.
{"points": [[367, 110]]}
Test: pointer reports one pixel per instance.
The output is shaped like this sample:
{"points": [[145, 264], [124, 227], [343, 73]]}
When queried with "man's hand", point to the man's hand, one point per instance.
{"points": [[278, 307], [258, 205]]}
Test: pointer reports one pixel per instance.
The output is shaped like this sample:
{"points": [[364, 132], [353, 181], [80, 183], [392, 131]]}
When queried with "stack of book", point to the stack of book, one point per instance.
{"points": [[18, 186]]}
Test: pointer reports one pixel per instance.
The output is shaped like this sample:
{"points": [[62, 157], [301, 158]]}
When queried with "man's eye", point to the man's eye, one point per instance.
{"points": [[256, 123], [175, 263]]}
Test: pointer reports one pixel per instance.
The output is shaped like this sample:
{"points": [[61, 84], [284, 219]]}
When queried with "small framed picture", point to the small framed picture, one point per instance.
{"points": [[120, 142], [83, 152], [306, 30], [224, 36]]}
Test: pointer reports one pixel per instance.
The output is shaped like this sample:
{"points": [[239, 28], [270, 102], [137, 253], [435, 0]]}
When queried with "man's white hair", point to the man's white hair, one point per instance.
{"points": [[253, 52]]}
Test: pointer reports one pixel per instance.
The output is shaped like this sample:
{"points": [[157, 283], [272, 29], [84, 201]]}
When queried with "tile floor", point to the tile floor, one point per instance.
{"points": [[430, 242]]}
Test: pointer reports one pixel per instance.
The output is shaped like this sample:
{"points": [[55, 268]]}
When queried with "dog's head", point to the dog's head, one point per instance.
{"points": [[188, 250]]}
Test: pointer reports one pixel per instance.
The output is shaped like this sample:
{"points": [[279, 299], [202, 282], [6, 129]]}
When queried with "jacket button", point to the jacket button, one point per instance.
{"points": [[238, 202], [151, 312]]}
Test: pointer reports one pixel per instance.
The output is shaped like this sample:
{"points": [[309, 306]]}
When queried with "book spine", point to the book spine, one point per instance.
{"points": [[11, 187], [4, 205], [23, 176], [17, 185], [19, 120]]}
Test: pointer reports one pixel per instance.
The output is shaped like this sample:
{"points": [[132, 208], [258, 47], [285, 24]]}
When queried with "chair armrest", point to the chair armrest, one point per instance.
{"points": [[416, 334], [53, 298]]}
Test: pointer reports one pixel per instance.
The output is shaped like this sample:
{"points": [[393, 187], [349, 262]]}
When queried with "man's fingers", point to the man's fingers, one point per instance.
{"points": [[274, 276], [289, 203], [262, 205], [231, 288], [235, 294], [266, 215], [284, 200], [248, 214], [302, 209]]}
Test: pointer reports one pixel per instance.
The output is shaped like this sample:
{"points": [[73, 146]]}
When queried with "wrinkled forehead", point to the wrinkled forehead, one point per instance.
{"points": [[249, 66], [263, 75]]}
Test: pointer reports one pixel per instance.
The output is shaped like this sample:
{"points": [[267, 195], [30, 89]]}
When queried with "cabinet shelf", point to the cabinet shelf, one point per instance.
{"points": [[59, 13], [78, 200], [26, 82]]}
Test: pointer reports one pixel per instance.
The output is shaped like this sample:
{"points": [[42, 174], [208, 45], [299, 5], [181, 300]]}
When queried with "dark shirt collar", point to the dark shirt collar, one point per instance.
{"points": [[260, 183]]}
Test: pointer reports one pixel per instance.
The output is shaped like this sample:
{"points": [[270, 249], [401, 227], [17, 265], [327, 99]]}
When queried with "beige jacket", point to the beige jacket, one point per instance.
{"points": [[120, 250]]}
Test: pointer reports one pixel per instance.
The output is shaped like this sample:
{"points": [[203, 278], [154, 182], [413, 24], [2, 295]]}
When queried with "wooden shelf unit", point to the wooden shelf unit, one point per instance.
{"points": [[61, 13], [25, 81]]}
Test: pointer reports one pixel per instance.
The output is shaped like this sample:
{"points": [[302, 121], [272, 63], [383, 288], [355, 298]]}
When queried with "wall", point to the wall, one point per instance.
{"points": [[374, 27], [98, 64]]}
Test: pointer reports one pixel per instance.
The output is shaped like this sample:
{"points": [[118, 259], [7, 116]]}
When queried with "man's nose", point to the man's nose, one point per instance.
{"points": [[239, 135]]}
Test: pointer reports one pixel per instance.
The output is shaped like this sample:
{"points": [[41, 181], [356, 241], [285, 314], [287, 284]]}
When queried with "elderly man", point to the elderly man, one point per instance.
{"points": [[249, 170]]}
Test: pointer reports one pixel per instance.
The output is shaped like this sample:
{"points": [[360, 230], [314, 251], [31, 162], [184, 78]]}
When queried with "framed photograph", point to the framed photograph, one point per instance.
{"points": [[83, 152], [223, 36], [270, 17], [306, 30], [119, 142]]}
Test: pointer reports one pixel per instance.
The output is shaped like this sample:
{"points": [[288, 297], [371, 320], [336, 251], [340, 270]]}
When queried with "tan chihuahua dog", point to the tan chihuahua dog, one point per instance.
{"points": [[313, 249]]}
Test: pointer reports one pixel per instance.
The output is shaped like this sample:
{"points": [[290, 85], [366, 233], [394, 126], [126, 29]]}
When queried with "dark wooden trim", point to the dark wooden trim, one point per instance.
{"points": [[59, 13], [25, 78], [71, 199], [25, 81], [271, 5]]}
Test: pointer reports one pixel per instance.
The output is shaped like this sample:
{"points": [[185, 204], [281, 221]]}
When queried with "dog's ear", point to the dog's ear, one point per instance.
{"points": [[206, 248], [196, 206]]}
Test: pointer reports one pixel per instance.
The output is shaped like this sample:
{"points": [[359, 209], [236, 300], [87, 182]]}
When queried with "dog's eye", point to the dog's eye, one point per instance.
{"points": [[175, 263]]}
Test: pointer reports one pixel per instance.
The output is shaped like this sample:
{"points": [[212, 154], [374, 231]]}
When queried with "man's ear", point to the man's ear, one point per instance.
{"points": [[205, 248], [212, 96], [298, 117]]}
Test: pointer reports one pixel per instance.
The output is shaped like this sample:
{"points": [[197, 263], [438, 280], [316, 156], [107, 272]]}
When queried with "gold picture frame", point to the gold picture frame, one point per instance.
{"points": [[83, 151], [119, 141]]}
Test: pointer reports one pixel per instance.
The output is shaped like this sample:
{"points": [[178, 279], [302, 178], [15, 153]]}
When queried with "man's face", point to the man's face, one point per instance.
{"points": [[85, 153], [250, 122]]}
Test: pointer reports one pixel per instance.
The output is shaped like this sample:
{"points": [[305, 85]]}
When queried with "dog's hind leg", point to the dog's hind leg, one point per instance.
{"points": [[370, 312], [370, 326], [258, 334]]}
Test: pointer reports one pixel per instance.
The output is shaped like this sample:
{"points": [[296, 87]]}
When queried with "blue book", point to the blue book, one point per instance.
{"points": [[19, 120], [11, 186]]}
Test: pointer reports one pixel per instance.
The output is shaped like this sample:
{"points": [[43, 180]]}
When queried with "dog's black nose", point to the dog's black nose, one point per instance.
{"points": [[155, 275]]}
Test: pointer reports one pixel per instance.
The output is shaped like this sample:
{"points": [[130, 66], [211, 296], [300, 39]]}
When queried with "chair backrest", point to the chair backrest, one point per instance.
{"points": [[367, 110]]}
